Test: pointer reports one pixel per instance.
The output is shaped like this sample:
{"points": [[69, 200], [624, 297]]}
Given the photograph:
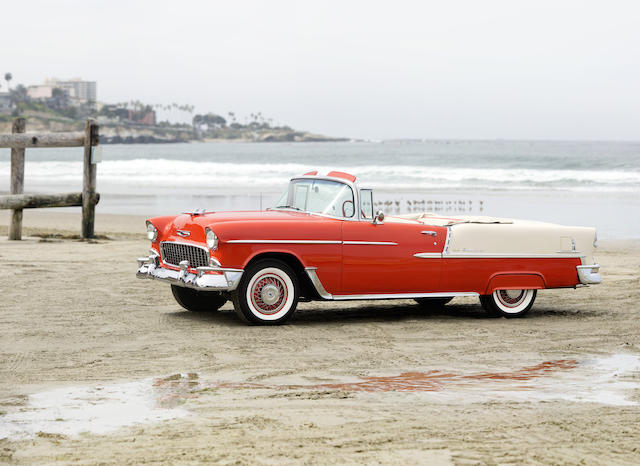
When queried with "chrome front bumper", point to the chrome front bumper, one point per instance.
{"points": [[589, 274], [222, 279]]}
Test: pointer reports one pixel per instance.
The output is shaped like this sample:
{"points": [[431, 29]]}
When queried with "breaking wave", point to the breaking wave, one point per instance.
{"points": [[140, 175]]}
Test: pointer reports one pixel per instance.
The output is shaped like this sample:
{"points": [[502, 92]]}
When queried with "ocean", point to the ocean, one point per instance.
{"points": [[570, 182]]}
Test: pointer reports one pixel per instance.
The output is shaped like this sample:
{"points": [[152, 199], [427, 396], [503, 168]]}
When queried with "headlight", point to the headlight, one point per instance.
{"points": [[152, 233], [212, 240]]}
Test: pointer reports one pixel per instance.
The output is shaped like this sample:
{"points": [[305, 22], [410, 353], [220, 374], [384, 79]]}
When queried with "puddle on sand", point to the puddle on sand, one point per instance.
{"points": [[437, 380], [105, 408], [596, 381], [101, 409]]}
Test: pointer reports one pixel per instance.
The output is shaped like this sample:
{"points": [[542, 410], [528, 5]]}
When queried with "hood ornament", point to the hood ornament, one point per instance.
{"points": [[183, 233], [196, 212]]}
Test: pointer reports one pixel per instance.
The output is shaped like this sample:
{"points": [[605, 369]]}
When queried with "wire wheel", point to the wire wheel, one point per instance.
{"points": [[512, 303], [268, 293]]}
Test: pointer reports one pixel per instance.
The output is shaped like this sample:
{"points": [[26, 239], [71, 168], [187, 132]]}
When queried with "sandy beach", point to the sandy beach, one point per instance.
{"points": [[356, 382]]}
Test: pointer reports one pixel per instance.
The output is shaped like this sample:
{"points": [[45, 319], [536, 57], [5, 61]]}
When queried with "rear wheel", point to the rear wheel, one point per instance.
{"points": [[267, 294], [198, 301], [432, 302], [508, 303]]}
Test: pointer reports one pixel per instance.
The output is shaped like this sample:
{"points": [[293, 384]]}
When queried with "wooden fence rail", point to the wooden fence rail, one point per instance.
{"points": [[18, 141], [37, 201], [23, 141]]}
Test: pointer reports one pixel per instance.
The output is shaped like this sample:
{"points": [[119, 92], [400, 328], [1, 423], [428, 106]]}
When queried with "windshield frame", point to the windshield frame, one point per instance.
{"points": [[354, 190]]}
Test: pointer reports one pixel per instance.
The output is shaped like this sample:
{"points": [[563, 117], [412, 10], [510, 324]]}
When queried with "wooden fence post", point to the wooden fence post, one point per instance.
{"points": [[17, 180], [89, 180]]}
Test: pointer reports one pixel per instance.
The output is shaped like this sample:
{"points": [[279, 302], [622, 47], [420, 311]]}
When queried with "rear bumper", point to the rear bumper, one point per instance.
{"points": [[206, 278], [589, 274]]}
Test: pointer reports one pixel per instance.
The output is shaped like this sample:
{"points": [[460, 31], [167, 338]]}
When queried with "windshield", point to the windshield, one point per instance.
{"points": [[318, 196]]}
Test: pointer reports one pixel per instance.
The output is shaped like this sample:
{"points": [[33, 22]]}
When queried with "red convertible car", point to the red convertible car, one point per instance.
{"points": [[323, 241]]}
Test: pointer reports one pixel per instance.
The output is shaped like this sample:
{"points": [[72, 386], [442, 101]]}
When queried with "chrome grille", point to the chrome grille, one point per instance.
{"points": [[174, 253]]}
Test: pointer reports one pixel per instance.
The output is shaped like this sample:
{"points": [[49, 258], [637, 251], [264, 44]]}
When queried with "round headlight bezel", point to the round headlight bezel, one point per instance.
{"points": [[152, 232], [211, 239]]}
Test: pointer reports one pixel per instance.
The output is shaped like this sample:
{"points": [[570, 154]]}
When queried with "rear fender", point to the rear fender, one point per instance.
{"points": [[515, 281]]}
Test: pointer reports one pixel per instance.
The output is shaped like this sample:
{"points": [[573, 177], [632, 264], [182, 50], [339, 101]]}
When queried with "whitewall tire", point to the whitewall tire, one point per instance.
{"points": [[509, 303], [268, 293]]}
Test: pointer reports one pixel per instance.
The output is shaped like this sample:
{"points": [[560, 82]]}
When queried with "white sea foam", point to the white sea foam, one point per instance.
{"points": [[140, 175]]}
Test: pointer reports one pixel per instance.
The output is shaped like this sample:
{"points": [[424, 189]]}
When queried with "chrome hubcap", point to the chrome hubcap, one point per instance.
{"points": [[513, 294], [270, 294], [512, 298]]}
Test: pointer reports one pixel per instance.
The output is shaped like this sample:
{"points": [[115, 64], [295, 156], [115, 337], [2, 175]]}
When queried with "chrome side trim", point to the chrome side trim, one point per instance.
{"points": [[477, 255], [317, 284], [308, 241], [373, 243], [445, 250], [281, 241], [437, 255], [403, 295], [428, 255], [589, 274]]}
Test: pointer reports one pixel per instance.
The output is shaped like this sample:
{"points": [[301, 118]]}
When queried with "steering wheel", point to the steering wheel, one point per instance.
{"points": [[344, 213]]}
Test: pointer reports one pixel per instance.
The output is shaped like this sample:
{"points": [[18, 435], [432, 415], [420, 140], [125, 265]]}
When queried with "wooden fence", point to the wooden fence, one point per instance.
{"points": [[18, 141]]}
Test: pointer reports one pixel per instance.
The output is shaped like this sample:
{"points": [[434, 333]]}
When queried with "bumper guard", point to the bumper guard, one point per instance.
{"points": [[227, 280], [589, 274]]}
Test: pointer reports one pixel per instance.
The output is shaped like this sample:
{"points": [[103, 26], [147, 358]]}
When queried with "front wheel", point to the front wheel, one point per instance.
{"points": [[267, 294], [198, 301], [509, 303]]}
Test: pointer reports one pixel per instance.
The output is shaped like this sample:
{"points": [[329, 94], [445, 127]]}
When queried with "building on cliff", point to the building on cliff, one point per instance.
{"points": [[85, 91]]}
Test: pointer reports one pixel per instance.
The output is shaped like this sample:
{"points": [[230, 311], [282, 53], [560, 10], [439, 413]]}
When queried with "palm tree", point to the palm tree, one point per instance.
{"points": [[8, 77]]}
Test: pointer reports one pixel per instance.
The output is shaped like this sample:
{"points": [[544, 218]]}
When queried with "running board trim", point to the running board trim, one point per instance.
{"points": [[315, 280], [402, 296]]}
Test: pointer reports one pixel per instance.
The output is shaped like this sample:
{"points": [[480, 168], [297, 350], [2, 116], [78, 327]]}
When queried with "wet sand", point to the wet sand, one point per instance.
{"points": [[355, 382]]}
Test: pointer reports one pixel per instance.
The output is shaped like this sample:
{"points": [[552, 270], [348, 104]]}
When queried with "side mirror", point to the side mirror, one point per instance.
{"points": [[378, 218]]}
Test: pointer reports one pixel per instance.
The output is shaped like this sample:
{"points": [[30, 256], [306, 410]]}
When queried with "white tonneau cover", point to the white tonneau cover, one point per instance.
{"points": [[492, 236]]}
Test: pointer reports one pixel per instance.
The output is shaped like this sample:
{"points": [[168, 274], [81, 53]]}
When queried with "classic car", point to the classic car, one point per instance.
{"points": [[323, 241]]}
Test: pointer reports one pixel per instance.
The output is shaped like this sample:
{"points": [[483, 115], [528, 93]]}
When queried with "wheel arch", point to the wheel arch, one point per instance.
{"points": [[515, 281], [307, 290]]}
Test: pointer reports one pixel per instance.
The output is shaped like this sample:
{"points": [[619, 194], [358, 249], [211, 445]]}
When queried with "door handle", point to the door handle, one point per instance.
{"points": [[429, 232]]}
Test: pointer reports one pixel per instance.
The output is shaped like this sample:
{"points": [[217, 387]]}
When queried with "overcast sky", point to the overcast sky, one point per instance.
{"points": [[562, 69]]}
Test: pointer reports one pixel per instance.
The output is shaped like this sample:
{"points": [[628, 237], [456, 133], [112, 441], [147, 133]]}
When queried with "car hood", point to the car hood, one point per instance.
{"points": [[243, 224]]}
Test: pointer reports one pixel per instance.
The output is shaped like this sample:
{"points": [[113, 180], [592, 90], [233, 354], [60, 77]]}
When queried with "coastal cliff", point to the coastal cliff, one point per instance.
{"points": [[112, 132]]}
